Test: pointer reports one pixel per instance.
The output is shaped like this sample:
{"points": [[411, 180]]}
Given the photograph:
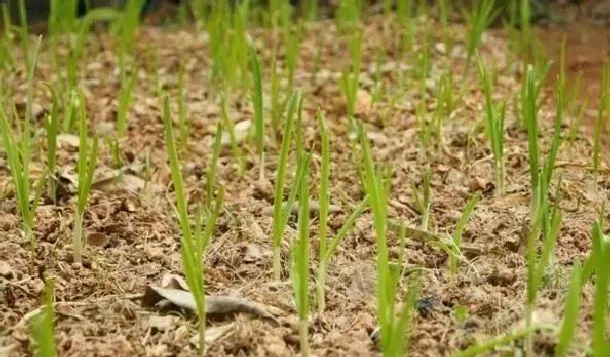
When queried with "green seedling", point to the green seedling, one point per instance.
{"points": [[6, 58], [276, 104], [281, 212], [597, 142], [479, 19], [128, 84], [394, 323], [24, 32], [546, 222], [350, 79], [331, 248], [577, 120], [300, 259], [51, 127], [324, 200], [257, 101], [458, 231], [210, 181], [326, 249], [604, 98], [292, 42], [310, 10], [529, 112], [348, 14], [406, 22], [42, 323], [194, 240], [494, 120], [424, 204], [240, 42], [600, 258], [227, 122], [183, 123], [571, 308], [444, 9], [19, 153], [87, 158]]}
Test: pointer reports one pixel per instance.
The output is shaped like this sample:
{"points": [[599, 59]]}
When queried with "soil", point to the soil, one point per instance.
{"points": [[134, 237]]}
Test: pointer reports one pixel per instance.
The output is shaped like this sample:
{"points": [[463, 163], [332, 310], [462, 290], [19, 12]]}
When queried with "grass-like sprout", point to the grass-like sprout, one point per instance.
{"points": [[19, 153], [494, 120], [326, 249], [606, 92], [6, 59], [331, 248], [600, 259], [276, 103], [183, 122], [24, 32], [87, 158], [194, 240], [42, 330], [529, 112], [394, 323], [456, 237], [404, 13], [479, 19], [300, 261], [51, 131], [228, 124], [257, 101], [128, 84], [324, 200], [310, 9], [239, 42], [546, 221], [350, 79], [571, 309], [292, 42], [597, 141], [210, 181], [280, 212], [424, 203]]}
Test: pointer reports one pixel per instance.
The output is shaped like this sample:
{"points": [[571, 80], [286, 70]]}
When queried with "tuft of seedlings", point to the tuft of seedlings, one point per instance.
{"points": [[194, 237], [19, 153], [87, 159]]}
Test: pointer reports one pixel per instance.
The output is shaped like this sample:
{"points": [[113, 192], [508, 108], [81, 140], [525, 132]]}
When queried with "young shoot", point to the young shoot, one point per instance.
{"points": [[210, 181], [279, 211], [456, 237], [227, 122], [257, 101], [424, 204], [51, 131], [479, 19], [494, 120], [393, 322], [42, 330], [87, 158], [300, 260], [128, 83], [19, 153], [194, 239]]}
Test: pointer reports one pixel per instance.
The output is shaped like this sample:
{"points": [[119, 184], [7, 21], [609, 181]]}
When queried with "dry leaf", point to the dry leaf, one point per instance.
{"points": [[214, 304]]}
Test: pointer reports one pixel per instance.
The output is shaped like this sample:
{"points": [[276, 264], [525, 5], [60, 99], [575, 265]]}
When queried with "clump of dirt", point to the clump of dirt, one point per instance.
{"points": [[134, 238]]}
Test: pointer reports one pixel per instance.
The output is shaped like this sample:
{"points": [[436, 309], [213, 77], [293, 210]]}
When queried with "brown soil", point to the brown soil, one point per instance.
{"points": [[137, 238]]}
